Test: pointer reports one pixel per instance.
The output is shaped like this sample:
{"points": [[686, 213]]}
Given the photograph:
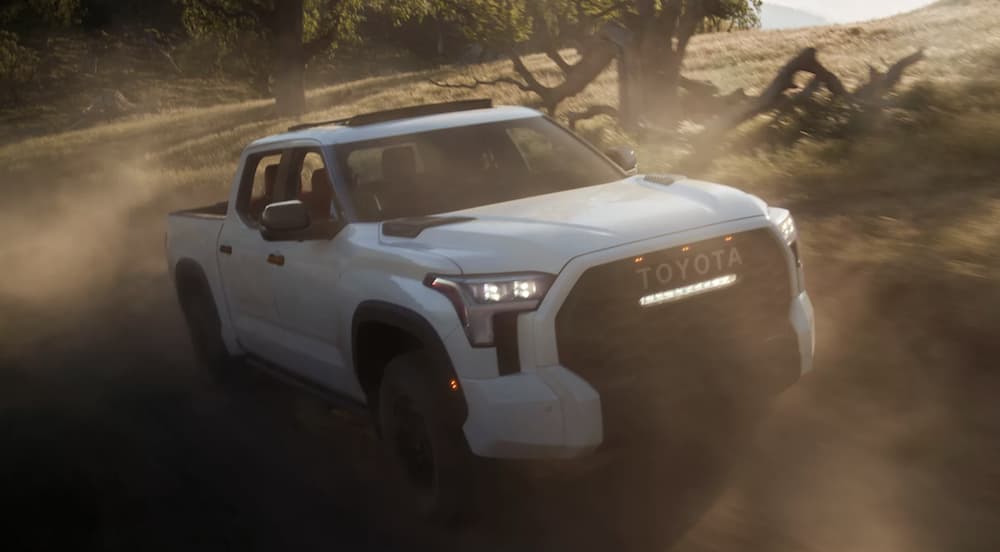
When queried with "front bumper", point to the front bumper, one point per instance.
{"points": [[550, 412]]}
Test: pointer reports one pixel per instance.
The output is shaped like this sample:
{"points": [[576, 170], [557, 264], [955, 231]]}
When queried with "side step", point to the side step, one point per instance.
{"points": [[356, 412]]}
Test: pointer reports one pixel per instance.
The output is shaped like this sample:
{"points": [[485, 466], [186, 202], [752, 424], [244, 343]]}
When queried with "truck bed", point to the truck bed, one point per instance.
{"points": [[215, 210], [193, 234]]}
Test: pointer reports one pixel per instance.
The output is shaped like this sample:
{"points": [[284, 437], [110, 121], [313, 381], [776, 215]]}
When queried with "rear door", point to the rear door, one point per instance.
{"points": [[309, 296], [243, 255]]}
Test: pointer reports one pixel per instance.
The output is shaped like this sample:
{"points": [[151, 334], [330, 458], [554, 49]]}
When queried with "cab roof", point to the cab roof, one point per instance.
{"points": [[330, 134]]}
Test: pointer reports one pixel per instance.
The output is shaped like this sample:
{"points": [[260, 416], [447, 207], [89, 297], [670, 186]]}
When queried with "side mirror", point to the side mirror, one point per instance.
{"points": [[624, 157], [283, 218]]}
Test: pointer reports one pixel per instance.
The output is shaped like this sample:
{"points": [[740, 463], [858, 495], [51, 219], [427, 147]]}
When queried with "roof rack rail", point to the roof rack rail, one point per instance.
{"points": [[401, 113]]}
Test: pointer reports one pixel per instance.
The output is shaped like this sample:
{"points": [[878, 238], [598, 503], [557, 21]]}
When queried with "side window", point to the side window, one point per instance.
{"points": [[313, 187], [259, 186]]}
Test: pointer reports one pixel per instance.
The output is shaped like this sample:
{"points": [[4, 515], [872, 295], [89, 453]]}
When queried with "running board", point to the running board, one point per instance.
{"points": [[336, 401]]}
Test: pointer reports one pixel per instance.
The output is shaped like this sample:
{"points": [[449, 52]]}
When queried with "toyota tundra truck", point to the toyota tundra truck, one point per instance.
{"points": [[481, 282]]}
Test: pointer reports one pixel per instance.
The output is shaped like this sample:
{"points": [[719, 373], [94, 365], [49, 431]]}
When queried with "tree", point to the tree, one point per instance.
{"points": [[277, 38], [732, 15], [548, 26], [654, 50], [25, 15], [20, 18], [648, 37]]}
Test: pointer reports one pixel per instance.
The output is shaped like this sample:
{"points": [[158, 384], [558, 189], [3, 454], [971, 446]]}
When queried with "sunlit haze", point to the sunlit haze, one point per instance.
{"points": [[846, 11]]}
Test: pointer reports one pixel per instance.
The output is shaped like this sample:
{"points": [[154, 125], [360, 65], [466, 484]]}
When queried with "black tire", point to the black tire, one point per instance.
{"points": [[205, 328], [425, 446]]}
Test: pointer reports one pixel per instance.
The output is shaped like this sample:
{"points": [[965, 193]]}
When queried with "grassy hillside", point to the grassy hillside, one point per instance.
{"points": [[899, 221], [916, 190]]}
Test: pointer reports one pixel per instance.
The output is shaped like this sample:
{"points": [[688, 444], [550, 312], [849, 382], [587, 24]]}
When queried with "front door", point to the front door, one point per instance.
{"points": [[315, 322]]}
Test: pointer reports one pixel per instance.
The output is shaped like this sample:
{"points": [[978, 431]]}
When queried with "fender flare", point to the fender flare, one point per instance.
{"points": [[187, 271], [413, 323]]}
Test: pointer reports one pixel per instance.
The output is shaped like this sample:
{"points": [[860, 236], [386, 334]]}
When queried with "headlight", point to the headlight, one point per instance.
{"points": [[790, 234], [788, 231], [478, 298], [491, 291]]}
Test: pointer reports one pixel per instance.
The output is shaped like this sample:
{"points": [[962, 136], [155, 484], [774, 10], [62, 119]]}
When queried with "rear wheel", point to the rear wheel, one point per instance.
{"points": [[205, 329], [425, 445]]}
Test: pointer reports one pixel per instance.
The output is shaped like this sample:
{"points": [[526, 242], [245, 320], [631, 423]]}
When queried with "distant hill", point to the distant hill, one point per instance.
{"points": [[782, 17]]}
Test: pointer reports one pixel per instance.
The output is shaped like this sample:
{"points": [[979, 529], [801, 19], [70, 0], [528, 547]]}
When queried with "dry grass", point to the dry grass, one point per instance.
{"points": [[931, 164]]}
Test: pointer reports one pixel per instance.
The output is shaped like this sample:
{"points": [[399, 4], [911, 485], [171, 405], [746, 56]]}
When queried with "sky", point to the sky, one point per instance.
{"points": [[849, 11]]}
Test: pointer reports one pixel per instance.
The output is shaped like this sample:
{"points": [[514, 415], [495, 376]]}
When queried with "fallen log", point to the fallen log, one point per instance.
{"points": [[774, 95], [880, 84], [775, 98]]}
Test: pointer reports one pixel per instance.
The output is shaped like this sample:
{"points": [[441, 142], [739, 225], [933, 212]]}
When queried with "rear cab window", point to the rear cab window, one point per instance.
{"points": [[258, 185], [312, 186]]}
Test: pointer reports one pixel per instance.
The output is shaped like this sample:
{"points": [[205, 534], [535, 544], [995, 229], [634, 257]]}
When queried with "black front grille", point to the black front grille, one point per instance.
{"points": [[650, 363]]}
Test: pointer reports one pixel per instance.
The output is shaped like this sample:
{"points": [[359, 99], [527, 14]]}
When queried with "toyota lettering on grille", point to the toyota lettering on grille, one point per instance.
{"points": [[677, 272]]}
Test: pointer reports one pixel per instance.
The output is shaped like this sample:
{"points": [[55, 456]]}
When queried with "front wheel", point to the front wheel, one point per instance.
{"points": [[425, 445]]}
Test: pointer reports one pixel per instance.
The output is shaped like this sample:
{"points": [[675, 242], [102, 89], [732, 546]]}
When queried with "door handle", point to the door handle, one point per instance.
{"points": [[276, 259], [227, 249]]}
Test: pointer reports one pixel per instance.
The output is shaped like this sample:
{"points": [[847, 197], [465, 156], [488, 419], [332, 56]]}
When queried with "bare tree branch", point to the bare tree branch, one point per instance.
{"points": [[880, 84], [801, 98], [526, 74], [895, 73], [773, 95], [476, 83], [774, 98], [542, 32], [555, 56], [702, 88], [574, 117], [597, 56]]}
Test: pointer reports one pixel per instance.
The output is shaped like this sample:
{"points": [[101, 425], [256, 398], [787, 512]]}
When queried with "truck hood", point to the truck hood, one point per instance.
{"points": [[543, 233]]}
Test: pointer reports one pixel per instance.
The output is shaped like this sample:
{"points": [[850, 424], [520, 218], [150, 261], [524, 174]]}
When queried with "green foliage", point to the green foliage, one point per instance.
{"points": [[23, 15], [491, 23], [505, 24], [730, 15], [243, 32], [17, 66], [162, 15]]}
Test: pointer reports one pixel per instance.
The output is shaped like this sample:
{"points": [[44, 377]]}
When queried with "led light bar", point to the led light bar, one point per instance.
{"points": [[678, 294]]}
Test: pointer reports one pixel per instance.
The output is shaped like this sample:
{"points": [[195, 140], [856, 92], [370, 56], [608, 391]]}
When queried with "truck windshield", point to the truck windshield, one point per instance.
{"points": [[459, 168]]}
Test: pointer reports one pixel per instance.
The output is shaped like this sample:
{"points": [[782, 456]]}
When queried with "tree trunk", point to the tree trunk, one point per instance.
{"points": [[289, 89], [631, 89], [661, 33], [290, 59], [648, 72], [440, 37]]}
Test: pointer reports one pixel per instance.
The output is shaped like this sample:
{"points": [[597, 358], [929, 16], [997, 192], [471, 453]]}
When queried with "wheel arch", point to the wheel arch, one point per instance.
{"points": [[380, 331], [190, 277]]}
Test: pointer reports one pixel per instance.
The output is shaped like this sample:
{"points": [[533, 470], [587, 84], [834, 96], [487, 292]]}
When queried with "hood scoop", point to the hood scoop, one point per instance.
{"points": [[663, 179], [412, 227]]}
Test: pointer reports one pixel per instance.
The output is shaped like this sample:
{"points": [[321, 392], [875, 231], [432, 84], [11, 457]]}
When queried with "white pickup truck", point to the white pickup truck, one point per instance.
{"points": [[485, 283]]}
